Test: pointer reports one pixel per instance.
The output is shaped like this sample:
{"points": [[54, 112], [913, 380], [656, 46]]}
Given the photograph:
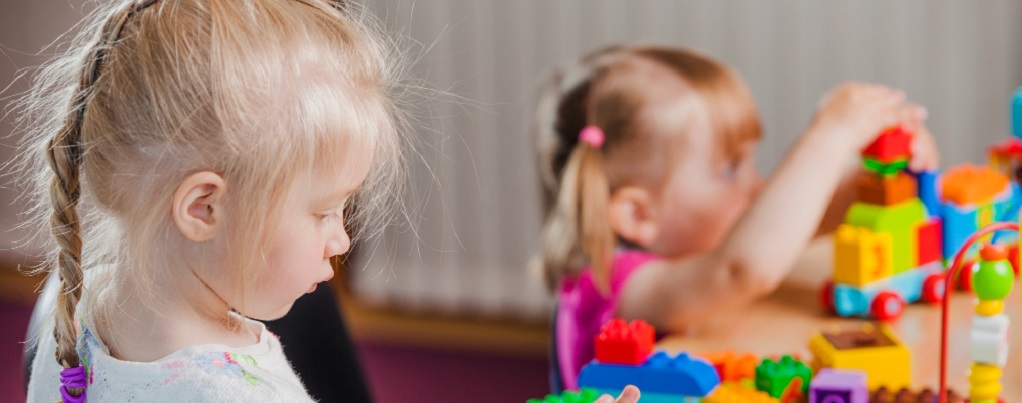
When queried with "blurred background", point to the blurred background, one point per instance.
{"points": [[443, 309]]}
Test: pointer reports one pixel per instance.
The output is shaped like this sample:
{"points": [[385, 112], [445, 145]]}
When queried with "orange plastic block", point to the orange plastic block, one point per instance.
{"points": [[738, 393], [893, 144], [930, 245], [876, 189], [733, 367], [969, 185], [624, 343]]}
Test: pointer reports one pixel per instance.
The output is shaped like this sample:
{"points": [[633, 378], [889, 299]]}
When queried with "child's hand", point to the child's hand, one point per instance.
{"points": [[925, 156], [629, 395], [859, 112]]}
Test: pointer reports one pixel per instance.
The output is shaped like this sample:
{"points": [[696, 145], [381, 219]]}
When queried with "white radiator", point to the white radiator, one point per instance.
{"points": [[480, 218]]}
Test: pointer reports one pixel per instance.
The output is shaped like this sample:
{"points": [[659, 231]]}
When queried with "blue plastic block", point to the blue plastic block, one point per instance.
{"points": [[959, 224], [1016, 113], [680, 375], [928, 191], [653, 397]]}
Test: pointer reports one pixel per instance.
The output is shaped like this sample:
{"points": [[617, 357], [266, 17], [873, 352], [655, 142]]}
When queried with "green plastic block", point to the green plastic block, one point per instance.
{"points": [[880, 168], [900, 221], [773, 377], [586, 395]]}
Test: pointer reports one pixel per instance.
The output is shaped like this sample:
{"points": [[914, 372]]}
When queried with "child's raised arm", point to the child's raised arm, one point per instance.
{"points": [[768, 238]]}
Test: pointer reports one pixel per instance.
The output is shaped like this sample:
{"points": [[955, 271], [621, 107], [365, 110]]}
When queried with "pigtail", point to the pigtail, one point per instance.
{"points": [[597, 238], [577, 229], [64, 156]]}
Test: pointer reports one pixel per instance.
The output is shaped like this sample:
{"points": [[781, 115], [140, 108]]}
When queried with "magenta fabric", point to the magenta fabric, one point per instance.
{"points": [[581, 310]]}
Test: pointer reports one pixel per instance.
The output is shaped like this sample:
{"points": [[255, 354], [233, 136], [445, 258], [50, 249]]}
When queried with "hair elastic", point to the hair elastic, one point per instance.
{"points": [[72, 378], [591, 135]]}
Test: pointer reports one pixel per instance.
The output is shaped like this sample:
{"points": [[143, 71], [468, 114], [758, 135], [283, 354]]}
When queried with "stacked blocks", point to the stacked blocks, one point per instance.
{"points": [[838, 386], [786, 379], [623, 358], [900, 221], [884, 191], [624, 343], [661, 378], [874, 349]]}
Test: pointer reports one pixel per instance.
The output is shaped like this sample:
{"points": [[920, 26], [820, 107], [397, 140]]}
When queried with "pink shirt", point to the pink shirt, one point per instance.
{"points": [[581, 310]]}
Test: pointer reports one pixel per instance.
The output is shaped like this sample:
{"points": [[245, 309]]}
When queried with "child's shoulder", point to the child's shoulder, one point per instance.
{"points": [[218, 373]]}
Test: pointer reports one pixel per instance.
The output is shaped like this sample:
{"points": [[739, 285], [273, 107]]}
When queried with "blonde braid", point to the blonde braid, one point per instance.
{"points": [[65, 159]]}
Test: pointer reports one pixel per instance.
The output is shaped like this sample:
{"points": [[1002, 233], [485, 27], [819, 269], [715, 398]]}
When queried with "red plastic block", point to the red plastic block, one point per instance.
{"points": [[878, 190], [930, 245], [892, 144], [624, 343]]}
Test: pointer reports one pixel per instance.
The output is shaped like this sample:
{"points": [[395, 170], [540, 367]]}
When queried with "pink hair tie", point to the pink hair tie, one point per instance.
{"points": [[591, 135]]}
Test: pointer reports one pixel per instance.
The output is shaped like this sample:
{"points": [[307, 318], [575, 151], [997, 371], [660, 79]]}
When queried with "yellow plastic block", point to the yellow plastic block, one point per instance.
{"points": [[873, 348], [736, 393], [900, 221], [861, 256]]}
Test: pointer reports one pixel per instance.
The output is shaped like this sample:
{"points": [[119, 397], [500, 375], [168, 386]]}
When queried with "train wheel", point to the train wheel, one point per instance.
{"points": [[965, 276], [827, 297], [887, 305], [933, 288]]}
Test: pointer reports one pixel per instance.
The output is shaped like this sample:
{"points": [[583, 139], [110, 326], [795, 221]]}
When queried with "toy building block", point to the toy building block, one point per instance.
{"points": [[885, 169], [861, 256], [899, 220], [624, 343], [959, 224], [969, 185], [904, 395], [737, 393], [733, 367], [885, 191], [893, 144], [586, 395], [928, 191], [838, 386], [872, 348], [783, 377], [680, 375], [929, 237]]}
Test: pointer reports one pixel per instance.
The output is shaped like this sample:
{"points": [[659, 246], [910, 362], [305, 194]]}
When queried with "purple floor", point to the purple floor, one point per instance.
{"points": [[396, 374]]}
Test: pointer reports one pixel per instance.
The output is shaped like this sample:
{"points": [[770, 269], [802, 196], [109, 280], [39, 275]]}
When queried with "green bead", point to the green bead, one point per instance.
{"points": [[992, 280]]}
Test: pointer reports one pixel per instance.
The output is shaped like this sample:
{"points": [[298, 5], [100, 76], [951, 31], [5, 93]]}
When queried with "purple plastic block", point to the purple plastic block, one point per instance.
{"points": [[838, 386]]}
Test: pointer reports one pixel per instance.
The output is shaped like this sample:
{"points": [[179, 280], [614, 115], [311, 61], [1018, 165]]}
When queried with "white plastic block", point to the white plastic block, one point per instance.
{"points": [[990, 339]]}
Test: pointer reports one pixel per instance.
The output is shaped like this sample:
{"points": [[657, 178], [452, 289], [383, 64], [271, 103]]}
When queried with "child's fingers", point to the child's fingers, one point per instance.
{"points": [[605, 399], [629, 395], [925, 156]]}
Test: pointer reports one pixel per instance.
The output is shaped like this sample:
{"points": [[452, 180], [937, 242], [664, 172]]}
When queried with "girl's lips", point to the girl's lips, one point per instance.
{"points": [[311, 289]]}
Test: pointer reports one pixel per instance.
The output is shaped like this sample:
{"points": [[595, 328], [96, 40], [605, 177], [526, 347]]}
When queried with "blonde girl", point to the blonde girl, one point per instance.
{"points": [[195, 161], [656, 210]]}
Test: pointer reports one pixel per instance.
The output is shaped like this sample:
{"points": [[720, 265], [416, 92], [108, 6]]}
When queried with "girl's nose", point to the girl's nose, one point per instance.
{"points": [[338, 244]]}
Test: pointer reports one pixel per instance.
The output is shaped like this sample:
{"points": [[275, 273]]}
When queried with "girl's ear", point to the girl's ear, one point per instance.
{"points": [[197, 207], [632, 216]]}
